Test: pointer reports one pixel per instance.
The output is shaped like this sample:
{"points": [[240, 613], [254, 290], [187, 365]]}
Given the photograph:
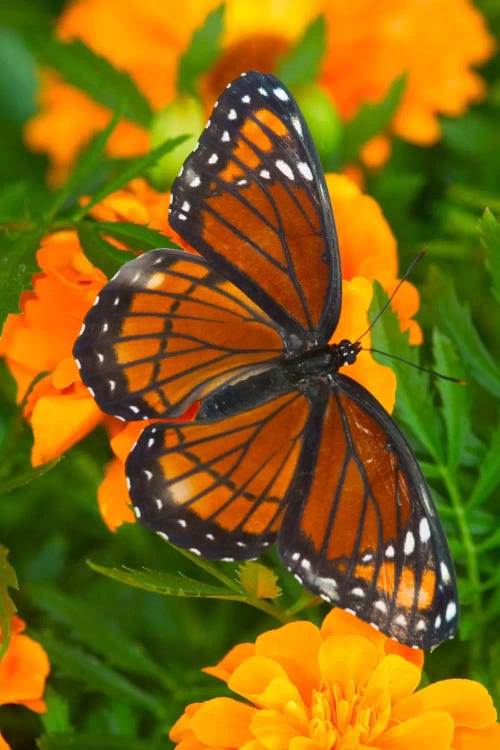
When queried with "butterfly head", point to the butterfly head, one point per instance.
{"points": [[346, 352]]}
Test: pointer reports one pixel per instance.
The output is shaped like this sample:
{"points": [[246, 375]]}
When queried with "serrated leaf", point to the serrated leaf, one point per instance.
{"points": [[104, 637], [489, 475], [22, 478], [91, 73], [455, 398], [95, 675], [17, 266], [136, 236], [99, 251], [165, 583], [489, 230], [371, 120], [90, 742], [302, 63], [456, 320], [258, 581], [8, 580], [201, 53], [413, 404], [134, 168], [88, 160]]}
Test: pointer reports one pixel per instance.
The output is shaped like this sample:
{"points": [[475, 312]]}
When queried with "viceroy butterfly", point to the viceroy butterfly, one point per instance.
{"points": [[283, 448]]}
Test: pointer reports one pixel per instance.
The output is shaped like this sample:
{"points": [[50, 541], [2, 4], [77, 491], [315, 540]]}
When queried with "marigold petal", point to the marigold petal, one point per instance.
{"points": [[273, 730], [392, 674], [468, 702], [113, 496], [252, 677], [433, 729], [4, 745], [347, 659], [222, 722], [226, 666], [471, 739], [295, 646], [58, 422], [23, 672]]}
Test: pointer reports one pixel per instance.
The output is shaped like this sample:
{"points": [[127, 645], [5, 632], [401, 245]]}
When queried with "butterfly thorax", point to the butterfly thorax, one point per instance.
{"points": [[321, 360]]}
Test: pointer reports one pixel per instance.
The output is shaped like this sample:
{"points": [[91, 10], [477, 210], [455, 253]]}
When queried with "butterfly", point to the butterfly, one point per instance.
{"points": [[284, 448]]}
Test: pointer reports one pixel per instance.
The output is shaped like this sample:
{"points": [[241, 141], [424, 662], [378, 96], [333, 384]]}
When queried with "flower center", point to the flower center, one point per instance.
{"points": [[258, 52], [340, 720]]}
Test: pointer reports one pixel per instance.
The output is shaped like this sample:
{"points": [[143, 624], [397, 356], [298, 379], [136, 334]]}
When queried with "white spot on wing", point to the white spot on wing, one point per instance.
{"points": [[285, 168], [281, 94], [262, 91], [409, 543], [232, 114], [451, 611], [265, 174], [245, 99], [195, 181], [381, 606], [305, 170], [389, 552], [213, 159], [225, 138], [358, 591], [424, 530], [185, 207], [297, 125], [445, 573]]}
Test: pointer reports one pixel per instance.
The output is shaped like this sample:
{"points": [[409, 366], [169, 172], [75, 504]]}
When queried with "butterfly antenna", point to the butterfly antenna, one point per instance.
{"points": [[407, 273], [418, 367]]}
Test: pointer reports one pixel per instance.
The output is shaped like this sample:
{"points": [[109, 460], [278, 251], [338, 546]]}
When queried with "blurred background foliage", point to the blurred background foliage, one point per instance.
{"points": [[126, 661]]}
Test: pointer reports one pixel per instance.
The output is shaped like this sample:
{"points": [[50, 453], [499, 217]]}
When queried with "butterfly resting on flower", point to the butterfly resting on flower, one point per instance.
{"points": [[285, 448]]}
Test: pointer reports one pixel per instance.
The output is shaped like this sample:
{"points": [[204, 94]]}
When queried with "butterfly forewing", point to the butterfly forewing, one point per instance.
{"points": [[219, 488], [252, 199], [361, 529], [166, 331]]}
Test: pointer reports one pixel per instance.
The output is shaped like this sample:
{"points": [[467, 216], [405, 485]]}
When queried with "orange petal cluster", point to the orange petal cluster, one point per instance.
{"points": [[343, 686], [37, 344], [23, 670], [435, 43]]}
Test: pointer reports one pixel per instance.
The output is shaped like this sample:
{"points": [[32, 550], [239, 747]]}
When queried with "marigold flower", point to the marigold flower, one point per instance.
{"points": [[39, 341], [368, 45], [339, 687], [23, 670]]}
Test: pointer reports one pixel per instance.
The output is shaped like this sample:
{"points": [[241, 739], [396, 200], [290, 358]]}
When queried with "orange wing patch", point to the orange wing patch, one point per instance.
{"points": [[167, 331], [220, 487]]}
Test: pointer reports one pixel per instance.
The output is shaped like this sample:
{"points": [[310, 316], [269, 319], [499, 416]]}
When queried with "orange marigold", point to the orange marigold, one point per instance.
{"points": [[368, 45], [23, 670], [39, 341], [339, 687]]}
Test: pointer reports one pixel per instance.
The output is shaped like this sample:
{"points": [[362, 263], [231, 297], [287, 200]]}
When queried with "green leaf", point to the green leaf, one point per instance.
{"points": [[101, 253], [165, 583], [134, 168], [489, 230], [91, 73], [456, 320], [258, 581], [371, 120], [17, 266], [413, 403], [56, 719], [489, 475], [455, 398], [136, 236], [95, 675], [301, 64], [90, 742], [8, 580], [88, 161], [103, 636], [201, 53], [22, 478]]}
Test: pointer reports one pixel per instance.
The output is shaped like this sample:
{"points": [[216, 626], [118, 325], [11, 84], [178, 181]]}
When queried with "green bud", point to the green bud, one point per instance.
{"points": [[323, 120], [184, 115]]}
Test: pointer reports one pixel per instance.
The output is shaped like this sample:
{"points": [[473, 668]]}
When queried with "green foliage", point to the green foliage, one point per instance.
{"points": [[371, 120], [201, 53], [301, 65], [128, 633], [8, 580]]}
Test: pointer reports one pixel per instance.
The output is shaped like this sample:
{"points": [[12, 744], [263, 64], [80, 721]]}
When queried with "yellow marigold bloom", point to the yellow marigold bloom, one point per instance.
{"points": [[436, 43], [39, 341], [343, 686], [23, 670]]}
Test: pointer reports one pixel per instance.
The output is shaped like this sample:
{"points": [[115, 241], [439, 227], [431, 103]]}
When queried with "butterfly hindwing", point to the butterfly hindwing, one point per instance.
{"points": [[218, 487], [167, 330], [252, 199], [361, 529]]}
